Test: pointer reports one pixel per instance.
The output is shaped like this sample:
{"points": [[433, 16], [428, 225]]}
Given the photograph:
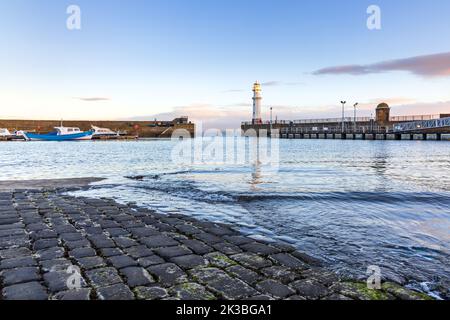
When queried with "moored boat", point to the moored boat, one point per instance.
{"points": [[61, 134], [103, 132], [5, 133]]}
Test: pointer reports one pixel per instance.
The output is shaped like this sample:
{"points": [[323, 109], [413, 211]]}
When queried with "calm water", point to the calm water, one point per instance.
{"points": [[350, 203]]}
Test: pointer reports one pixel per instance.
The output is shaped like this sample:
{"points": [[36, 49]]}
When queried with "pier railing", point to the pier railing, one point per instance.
{"points": [[331, 120], [313, 121], [422, 125], [411, 118], [415, 118]]}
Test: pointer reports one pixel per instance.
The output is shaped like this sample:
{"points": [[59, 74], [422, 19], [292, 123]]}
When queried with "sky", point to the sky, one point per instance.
{"points": [[199, 58]]}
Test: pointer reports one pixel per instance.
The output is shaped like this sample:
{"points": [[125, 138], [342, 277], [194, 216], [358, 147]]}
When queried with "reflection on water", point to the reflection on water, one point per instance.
{"points": [[256, 177], [351, 203]]}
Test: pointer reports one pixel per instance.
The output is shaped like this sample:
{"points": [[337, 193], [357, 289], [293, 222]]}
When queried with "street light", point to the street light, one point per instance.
{"points": [[271, 109], [354, 117], [343, 115]]}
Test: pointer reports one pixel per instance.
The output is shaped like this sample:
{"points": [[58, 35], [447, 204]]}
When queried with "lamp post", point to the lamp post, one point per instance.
{"points": [[343, 115], [271, 111], [354, 117]]}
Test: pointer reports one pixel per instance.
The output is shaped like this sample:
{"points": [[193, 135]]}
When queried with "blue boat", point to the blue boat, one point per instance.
{"points": [[60, 134]]}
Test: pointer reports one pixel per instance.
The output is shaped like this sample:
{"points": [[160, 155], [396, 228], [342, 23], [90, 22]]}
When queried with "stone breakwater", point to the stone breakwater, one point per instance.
{"points": [[125, 252]]}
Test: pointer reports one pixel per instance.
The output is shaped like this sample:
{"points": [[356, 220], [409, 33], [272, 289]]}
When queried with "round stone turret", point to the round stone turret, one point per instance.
{"points": [[383, 114]]}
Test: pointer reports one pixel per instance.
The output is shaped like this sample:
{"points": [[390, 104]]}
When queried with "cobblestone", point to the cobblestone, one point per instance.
{"points": [[151, 293], [172, 252], [26, 291], [136, 276], [259, 248], [74, 295], [82, 253], [103, 277], [18, 263], [125, 252], [192, 291], [115, 292], [89, 263], [150, 261], [251, 260], [310, 289], [283, 274], [19, 275], [189, 261], [168, 274], [122, 261], [222, 284], [197, 246], [274, 288], [244, 274]]}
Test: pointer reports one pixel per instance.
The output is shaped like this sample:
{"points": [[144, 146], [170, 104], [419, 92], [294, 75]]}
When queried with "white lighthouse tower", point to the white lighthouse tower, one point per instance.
{"points": [[257, 98]]}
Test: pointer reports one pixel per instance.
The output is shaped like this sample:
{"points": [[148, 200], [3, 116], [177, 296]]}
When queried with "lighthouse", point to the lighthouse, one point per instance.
{"points": [[257, 98]]}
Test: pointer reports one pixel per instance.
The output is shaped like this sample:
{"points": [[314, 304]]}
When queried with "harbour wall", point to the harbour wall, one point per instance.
{"points": [[142, 129]]}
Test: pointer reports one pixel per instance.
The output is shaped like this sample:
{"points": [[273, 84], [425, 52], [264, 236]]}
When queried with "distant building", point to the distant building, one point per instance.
{"points": [[383, 115], [181, 120]]}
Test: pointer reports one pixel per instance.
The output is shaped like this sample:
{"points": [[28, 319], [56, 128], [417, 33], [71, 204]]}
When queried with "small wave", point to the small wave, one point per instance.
{"points": [[372, 197], [156, 176], [187, 190]]}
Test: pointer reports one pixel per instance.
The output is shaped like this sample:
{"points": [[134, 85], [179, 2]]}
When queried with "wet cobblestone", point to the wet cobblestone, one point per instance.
{"points": [[124, 252]]}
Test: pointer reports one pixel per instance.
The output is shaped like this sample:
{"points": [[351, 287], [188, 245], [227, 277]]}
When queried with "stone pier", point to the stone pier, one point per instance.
{"points": [[391, 136], [406, 136]]}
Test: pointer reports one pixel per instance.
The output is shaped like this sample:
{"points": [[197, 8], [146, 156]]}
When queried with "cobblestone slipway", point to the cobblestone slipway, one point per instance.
{"points": [[125, 252]]}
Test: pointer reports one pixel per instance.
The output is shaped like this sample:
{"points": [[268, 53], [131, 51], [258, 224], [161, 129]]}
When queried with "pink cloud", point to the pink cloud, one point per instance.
{"points": [[435, 65]]}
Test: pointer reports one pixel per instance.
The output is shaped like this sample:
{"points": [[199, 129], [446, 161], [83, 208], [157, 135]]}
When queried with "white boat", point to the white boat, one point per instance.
{"points": [[103, 132], [61, 134], [5, 133]]}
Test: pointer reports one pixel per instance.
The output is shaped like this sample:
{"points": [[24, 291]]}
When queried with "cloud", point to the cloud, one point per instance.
{"points": [[419, 108], [435, 65], [92, 99]]}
